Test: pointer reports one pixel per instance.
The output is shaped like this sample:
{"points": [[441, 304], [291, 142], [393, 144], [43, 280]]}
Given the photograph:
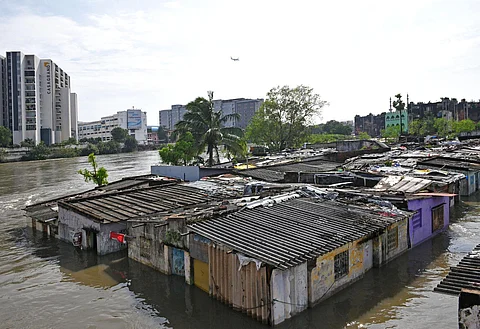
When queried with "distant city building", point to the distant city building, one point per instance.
{"points": [[36, 99], [446, 108], [134, 120], [397, 118], [152, 135], [246, 108], [3, 91], [370, 124]]}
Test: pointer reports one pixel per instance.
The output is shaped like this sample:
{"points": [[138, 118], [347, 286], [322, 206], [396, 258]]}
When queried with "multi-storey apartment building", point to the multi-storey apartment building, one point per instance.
{"points": [[3, 90], [246, 108], [134, 120], [38, 100]]}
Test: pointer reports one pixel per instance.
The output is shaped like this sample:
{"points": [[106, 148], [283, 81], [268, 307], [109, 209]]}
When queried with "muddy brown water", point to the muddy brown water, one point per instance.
{"points": [[45, 283]]}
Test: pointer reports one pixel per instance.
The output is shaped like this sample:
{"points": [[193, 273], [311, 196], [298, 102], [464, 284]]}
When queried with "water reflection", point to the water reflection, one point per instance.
{"points": [[58, 286]]}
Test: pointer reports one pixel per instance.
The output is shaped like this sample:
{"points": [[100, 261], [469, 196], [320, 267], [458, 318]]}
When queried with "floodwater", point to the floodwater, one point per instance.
{"points": [[45, 283]]}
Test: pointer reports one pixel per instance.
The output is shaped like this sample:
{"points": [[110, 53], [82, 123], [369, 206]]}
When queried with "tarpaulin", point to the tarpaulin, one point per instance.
{"points": [[120, 237]]}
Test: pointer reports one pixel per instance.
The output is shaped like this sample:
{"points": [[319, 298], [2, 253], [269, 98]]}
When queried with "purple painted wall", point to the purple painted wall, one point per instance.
{"points": [[420, 225]]}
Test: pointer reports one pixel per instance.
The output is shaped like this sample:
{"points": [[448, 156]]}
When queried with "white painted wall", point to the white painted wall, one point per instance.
{"points": [[289, 292]]}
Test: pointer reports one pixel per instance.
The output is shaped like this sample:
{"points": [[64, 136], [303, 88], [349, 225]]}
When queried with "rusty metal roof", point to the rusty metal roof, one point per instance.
{"points": [[276, 173], [294, 231], [124, 205]]}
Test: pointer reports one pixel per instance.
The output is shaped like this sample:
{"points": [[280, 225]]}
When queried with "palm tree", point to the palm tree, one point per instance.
{"points": [[207, 127]]}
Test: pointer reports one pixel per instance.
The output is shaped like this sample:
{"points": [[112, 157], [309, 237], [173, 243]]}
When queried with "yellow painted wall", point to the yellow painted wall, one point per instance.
{"points": [[322, 283], [201, 275]]}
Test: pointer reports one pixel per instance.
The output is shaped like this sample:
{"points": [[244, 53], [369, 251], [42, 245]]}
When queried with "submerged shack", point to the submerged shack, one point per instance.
{"points": [[89, 221], [276, 260]]}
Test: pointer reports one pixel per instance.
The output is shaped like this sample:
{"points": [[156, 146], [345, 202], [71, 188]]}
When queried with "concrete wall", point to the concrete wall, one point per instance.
{"points": [[289, 291], [187, 173], [322, 283], [382, 254], [70, 222], [147, 246], [420, 226]]}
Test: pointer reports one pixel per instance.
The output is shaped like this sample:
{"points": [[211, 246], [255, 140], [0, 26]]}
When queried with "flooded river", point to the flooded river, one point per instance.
{"points": [[45, 283]]}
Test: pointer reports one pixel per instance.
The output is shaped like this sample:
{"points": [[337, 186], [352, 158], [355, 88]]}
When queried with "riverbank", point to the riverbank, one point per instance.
{"points": [[42, 152]]}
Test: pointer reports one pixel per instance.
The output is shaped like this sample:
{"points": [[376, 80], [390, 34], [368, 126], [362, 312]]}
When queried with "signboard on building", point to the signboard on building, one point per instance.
{"points": [[134, 119]]}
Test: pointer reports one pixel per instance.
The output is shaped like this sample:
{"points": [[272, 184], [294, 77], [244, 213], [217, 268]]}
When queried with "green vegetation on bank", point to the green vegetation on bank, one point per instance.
{"points": [[429, 125], [121, 142]]}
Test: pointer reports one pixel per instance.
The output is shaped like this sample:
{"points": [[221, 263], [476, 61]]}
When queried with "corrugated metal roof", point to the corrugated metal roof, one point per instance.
{"points": [[121, 206], [465, 275], [405, 184], [268, 175], [291, 232], [276, 173], [450, 163]]}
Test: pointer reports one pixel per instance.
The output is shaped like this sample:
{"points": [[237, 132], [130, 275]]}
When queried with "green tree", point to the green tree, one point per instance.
{"points": [[325, 138], [207, 128], [27, 142], [162, 135], [182, 152], [337, 128], [90, 148], [391, 133], [282, 120], [98, 175], [3, 155], [38, 152], [443, 126], [363, 135], [5, 136], [417, 128], [131, 144], [398, 104], [463, 126], [70, 141], [119, 135], [110, 147]]}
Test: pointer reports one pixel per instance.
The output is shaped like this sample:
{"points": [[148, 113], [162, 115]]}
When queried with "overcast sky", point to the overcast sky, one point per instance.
{"points": [[151, 54]]}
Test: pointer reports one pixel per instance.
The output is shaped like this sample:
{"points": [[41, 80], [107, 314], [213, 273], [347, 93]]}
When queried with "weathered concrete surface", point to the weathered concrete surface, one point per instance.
{"points": [[322, 283], [469, 309], [382, 254], [70, 222], [289, 291], [147, 245]]}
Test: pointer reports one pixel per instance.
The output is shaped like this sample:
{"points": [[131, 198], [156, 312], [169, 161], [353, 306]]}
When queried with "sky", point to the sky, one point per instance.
{"points": [[151, 54]]}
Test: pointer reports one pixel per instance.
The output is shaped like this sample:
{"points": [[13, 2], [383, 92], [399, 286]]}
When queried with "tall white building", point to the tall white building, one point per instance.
{"points": [[39, 104], [3, 90], [134, 120]]}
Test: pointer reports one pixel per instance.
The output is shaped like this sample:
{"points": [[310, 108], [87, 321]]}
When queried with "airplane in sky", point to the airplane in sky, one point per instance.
{"points": [[234, 59]]}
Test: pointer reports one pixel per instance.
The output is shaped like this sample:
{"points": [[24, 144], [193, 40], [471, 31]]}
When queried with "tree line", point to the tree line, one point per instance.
{"points": [[121, 142], [429, 125], [285, 120]]}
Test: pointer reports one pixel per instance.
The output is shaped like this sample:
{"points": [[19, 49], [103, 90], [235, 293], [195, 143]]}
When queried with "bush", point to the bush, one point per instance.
{"points": [[64, 153]]}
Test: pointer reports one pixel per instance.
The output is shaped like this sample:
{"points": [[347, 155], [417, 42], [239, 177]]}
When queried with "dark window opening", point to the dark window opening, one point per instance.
{"points": [[437, 218], [392, 239]]}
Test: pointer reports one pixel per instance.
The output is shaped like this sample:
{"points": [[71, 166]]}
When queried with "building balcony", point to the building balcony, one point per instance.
{"points": [[29, 68]]}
